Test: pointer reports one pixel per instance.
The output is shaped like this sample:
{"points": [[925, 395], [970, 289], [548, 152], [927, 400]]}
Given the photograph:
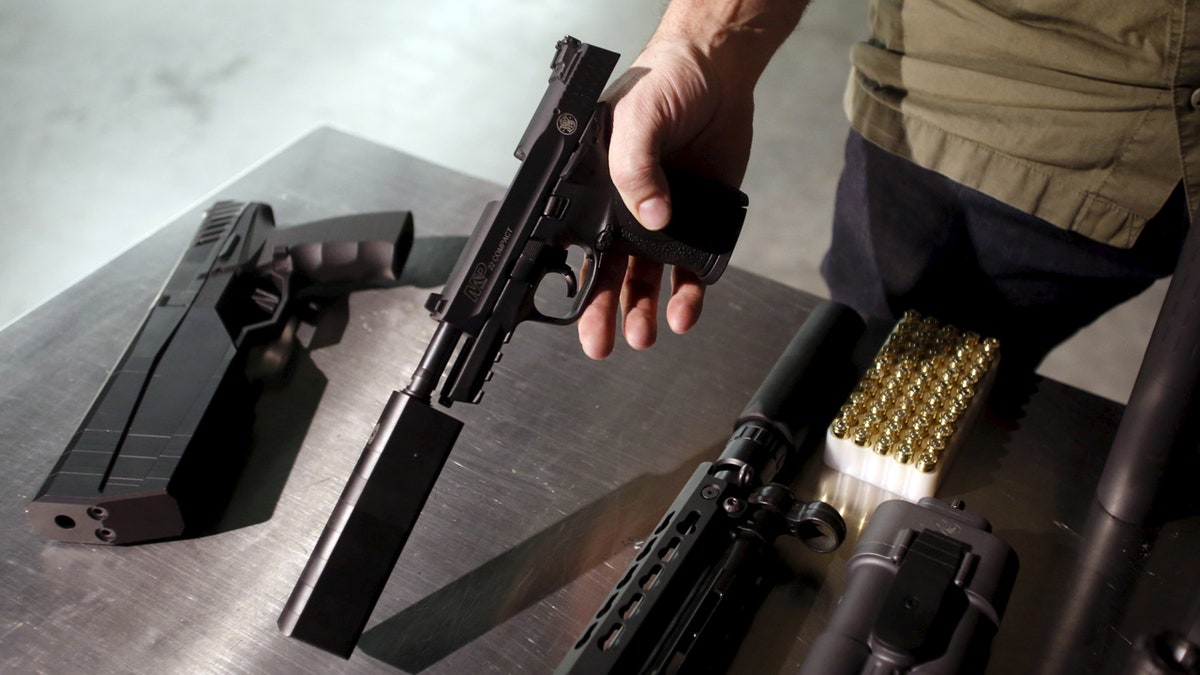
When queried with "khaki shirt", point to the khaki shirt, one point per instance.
{"points": [[1081, 112]]}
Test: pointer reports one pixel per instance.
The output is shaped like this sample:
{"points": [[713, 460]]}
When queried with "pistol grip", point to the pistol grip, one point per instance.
{"points": [[706, 221], [359, 250]]}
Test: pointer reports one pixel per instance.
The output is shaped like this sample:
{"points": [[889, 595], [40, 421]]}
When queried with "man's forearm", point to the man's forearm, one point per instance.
{"points": [[735, 35]]}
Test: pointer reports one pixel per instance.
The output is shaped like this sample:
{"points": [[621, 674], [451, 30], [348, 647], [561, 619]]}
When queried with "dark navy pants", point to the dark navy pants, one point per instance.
{"points": [[908, 238]]}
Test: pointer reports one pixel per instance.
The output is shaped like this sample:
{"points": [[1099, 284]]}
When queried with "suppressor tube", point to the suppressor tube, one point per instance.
{"points": [[794, 395]]}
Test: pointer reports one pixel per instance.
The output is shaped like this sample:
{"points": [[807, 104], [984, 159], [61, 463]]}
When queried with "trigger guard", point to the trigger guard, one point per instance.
{"points": [[581, 296]]}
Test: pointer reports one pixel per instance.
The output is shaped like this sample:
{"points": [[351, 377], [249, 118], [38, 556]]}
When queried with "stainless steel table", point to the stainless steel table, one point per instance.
{"points": [[559, 473]]}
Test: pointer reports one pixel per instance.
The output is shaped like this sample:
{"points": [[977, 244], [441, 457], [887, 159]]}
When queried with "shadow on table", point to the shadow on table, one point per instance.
{"points": [[291, 390], [436, 626], [288, 397]]}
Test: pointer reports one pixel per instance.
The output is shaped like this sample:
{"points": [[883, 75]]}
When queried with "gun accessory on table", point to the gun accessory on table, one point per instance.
{"points": [[560, 200], [926, 589], [690, 593], [162, 438]]}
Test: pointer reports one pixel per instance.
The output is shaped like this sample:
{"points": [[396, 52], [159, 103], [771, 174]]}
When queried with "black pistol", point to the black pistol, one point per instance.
{"points": [[560, 201], [160, 443]]}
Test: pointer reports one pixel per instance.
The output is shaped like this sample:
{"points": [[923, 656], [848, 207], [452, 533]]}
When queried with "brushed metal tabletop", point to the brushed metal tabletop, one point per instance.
{"points": [[559, 472]]}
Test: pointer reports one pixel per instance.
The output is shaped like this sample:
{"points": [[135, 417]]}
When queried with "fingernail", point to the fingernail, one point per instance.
{"points": [[654, 213]]}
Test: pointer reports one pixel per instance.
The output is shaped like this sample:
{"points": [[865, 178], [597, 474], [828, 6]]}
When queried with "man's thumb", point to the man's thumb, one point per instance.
{"points": [[633, 161]]}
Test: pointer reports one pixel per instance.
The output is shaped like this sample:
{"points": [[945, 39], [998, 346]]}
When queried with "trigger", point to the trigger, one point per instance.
{"points": [[568, 275]]}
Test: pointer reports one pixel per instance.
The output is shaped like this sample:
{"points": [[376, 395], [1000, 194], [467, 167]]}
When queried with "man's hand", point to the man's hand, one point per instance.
{"points": [[686, 101], [667, 107]]}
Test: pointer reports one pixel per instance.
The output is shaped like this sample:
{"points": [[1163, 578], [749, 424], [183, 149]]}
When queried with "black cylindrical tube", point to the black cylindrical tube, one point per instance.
{"points": [[369, 526], [796, 393], [1162, 397]]}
